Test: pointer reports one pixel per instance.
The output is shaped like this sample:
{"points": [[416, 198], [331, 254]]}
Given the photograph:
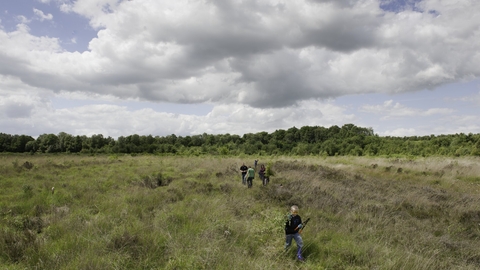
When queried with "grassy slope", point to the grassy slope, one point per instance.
{"points": [[150, 212]]}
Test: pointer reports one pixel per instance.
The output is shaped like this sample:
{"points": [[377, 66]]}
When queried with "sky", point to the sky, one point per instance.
{"points": [[188, 67]]}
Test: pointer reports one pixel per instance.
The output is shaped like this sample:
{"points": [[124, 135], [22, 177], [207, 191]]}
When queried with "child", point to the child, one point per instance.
{"points": [[292, 228], [244, 169]]}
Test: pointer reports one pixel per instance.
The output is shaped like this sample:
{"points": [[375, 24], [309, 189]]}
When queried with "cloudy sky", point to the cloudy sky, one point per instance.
{"points": [[188, 67]]}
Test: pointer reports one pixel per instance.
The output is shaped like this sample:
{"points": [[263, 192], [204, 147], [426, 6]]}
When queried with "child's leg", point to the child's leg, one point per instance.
{"points": [[299, 241], [288, 240]]}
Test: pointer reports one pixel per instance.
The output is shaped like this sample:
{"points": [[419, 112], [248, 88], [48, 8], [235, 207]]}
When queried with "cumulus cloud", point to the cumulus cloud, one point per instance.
{"points": [[109, 117], [391, 110], [263, 54], [275, 57], [39, 15], [401, 132]]}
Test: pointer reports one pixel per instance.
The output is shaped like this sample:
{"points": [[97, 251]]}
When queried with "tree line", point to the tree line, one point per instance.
{"points": [[348, 140]]}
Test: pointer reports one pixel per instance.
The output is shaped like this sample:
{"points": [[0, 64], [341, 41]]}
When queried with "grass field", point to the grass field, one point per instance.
{"points": [[154, 212]]}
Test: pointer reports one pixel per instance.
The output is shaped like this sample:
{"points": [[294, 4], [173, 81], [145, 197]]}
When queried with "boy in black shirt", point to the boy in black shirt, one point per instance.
{"points": [[244, 169], [292, 228]]}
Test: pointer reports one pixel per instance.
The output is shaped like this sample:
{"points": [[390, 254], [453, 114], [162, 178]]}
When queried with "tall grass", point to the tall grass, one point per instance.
{"points": [[151, 212]]}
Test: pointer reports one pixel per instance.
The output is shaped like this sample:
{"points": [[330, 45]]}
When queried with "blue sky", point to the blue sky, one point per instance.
{"points": [[47, 19], [119, 67]]}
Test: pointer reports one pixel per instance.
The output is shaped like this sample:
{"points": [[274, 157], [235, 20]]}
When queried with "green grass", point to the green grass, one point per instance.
{"points": [[151, 212]]}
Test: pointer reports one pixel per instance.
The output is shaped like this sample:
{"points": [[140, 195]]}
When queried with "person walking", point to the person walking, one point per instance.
{"points": [[261, 174], [250, 176], [244, 169], [293, 225]]}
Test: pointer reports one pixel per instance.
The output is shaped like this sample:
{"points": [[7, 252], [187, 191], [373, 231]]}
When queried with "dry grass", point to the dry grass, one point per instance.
{"points": [[149, 212]]}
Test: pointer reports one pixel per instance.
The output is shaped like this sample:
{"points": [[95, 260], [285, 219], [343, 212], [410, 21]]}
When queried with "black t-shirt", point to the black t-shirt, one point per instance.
{"points": [[243, 169], [292, 223]]}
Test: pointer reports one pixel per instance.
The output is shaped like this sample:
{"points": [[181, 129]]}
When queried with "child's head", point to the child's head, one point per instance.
{"points": [[294, 210]]}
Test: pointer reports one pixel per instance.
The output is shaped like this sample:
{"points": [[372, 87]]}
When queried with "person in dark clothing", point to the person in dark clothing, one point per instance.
{"points": [[261, 174], [244, 169], [293, 225]]}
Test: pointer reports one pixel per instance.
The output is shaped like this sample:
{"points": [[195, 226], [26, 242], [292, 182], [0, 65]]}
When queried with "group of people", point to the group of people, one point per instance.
{"points": [[293, 224], [248, 174]]}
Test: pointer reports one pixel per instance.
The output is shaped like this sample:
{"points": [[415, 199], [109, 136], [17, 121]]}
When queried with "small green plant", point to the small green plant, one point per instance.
{"points": [[27, 190]]}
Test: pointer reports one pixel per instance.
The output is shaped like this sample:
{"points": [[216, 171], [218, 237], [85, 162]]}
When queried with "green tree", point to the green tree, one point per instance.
{"points": [[19, 142], [48, 143], [331, 147], [31, 146]]}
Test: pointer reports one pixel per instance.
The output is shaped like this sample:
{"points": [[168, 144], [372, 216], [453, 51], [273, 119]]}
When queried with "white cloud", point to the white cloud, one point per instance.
{"points": [[437, 111], [474, 98], [23, 20], [108, 117], [158, 50], [283, 61], [401, 132], [39, 15], [390, 110]]}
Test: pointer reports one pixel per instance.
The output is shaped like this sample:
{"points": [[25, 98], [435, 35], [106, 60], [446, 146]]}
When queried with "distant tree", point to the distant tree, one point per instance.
{"points": [[331, 147], [171, 139], [292, 136], [302, 149], [133, 140], [31, 146], [14, 143], [197, 140], [320, 134], [262, 137], [279, 135], [19, 143], [307, 134], [209, 139], [476, 148], [120, 145], [5, 142], [48, 143], [186, 141], [97, 141], [64, 140], [333, 131]]}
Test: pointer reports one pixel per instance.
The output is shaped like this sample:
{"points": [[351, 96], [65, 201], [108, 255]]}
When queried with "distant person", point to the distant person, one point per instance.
{"points": [[244, 169], [250, 176], [293, 225], [261, 174], [255, 163]]}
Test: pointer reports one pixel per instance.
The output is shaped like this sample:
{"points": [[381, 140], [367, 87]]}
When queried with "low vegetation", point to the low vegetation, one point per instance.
{"points": [[171, 212]]}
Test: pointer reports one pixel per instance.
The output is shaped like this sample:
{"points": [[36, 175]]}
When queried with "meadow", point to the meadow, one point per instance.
{"points": [[174, 212]]}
